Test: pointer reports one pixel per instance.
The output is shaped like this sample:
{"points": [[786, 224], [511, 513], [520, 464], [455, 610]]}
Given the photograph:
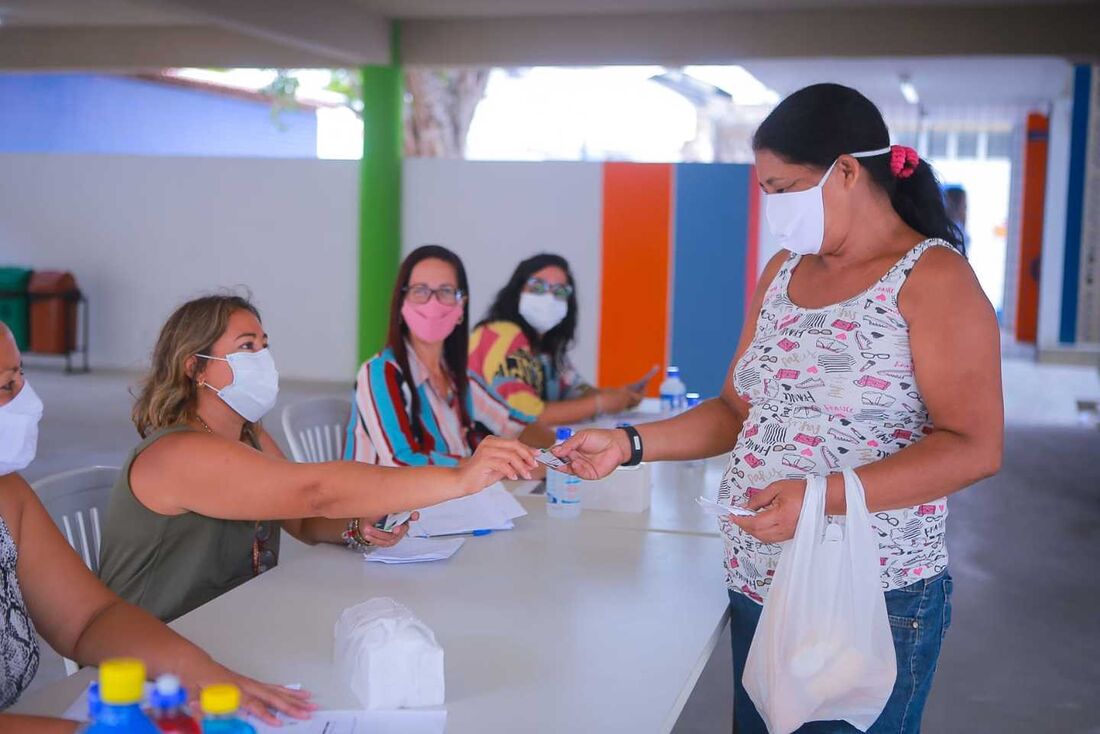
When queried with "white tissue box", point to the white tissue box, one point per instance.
{"points": [[627, 489], [389, 658]]}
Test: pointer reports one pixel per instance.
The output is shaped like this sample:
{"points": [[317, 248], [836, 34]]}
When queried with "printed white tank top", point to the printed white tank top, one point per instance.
{"points": [[831, 388]]}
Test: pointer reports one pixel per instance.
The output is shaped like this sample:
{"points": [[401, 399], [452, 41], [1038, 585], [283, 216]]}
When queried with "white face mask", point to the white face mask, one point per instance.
{"points": [[19, 430], [255, 385], [543, 311], [797, 218]]}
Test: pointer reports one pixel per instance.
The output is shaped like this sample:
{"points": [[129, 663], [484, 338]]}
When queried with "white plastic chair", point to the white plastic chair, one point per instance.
{"points": [[77, 502], [316, 429]]}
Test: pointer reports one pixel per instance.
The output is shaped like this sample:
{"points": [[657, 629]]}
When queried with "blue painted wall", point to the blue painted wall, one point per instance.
{"points": [[708, 298], [92, 113], [1075, 204]]}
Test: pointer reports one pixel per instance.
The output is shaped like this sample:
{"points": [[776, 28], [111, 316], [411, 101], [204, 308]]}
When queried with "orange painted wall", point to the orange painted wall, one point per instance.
{"points": [[634, 304], [1031, 227]]}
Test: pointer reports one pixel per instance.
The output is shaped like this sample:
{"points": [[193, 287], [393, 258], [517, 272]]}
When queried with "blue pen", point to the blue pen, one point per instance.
{"points": [[479, 533]]}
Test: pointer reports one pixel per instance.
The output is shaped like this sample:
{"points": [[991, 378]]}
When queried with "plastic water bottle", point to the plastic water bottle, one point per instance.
{"points": [[563, 491], [169, 707], [121, 690], [219, 707], [673, 391], [94, 707], [696, 468]]}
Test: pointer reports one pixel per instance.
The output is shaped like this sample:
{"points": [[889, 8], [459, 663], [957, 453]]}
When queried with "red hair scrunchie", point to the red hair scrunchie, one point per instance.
{"points": [[903, 161]]}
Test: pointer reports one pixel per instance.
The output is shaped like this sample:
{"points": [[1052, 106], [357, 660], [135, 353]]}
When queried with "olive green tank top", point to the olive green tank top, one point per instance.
{"points": [[171, 564]]}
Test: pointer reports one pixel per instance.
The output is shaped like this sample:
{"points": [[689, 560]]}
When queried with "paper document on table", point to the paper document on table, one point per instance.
{"points": [[493, 508], [402, 721], [416, 550]]}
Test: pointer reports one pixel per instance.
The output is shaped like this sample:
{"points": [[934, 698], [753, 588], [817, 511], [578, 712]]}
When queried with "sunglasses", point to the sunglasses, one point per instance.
{"points": [[538, 287]]}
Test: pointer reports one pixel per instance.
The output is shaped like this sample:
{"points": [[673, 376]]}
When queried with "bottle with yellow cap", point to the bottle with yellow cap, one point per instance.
{"points": [[121, 691], [219, 708]]}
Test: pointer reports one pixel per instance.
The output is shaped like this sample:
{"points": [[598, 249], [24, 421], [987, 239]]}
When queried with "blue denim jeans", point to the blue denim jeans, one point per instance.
{"points": [[919, 617]]}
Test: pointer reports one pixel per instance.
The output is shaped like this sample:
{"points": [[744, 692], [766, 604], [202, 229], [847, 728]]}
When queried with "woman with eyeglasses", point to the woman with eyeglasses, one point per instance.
{"points": [[416, 403], [522, 348], [200, 503]]}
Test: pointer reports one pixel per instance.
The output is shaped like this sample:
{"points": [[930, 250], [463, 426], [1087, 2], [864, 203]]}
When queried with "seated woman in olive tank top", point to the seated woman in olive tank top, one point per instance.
{"points": [[199, 505], [46, 590]]}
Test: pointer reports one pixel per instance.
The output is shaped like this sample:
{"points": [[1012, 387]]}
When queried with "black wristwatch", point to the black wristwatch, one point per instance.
{"points": [[635, 439]]}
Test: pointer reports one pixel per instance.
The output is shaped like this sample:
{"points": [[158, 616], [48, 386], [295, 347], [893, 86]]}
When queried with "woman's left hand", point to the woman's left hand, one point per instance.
{"points": [[779, 506], [384, 539]]}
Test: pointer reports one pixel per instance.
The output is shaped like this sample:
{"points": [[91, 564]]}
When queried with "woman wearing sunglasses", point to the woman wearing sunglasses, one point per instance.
{"points": [[521, 348], [416, 404], [200, 503]]}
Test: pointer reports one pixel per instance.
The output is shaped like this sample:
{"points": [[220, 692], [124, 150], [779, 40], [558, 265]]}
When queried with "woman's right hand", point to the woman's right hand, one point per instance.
{"points": [[496, 459], [595, 452]]}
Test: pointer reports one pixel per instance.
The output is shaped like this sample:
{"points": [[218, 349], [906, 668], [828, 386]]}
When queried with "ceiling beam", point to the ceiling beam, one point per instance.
{"points": [[144, 48], [338, 29], [1069, 30]]}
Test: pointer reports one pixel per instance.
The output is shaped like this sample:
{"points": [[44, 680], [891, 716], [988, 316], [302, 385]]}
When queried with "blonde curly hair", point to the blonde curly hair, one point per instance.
{"points": [[168, 394]]}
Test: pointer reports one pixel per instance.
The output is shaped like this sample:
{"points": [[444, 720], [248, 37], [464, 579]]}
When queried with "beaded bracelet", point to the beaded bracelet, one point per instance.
{"points": [[353, 537]]}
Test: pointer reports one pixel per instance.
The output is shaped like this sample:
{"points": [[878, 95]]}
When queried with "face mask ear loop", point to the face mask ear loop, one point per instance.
{"points": [[204, 383]]}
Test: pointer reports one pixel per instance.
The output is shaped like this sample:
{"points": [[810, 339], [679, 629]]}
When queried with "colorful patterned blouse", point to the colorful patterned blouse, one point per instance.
{"points": [[501, 354], [831, 388], [380, 431]]}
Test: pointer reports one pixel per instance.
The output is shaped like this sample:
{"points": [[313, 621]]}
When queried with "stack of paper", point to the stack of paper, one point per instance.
{"points": [[416, 550], [404, 721], [490, 509]]}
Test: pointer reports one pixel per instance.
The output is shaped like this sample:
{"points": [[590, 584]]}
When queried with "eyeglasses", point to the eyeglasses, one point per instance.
{"points": [[421, 294], [538, 286]]}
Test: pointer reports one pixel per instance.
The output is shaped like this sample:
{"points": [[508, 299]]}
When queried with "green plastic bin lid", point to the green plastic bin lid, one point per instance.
{"points": [[14, 279]]}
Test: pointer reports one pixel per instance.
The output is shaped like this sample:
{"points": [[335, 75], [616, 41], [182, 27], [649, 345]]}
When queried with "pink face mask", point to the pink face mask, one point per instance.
{"points": [[431, 321]]}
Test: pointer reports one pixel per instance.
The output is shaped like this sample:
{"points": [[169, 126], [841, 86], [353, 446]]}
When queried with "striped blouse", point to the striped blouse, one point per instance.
{"points": [[380, 431]]}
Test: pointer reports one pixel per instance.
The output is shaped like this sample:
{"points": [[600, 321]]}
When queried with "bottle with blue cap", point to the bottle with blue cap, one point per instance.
{"points": [[673, 391], [696, 468], [563, 491], [170, 707]]}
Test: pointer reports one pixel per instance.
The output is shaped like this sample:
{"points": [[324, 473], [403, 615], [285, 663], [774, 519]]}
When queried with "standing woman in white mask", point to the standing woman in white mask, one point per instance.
{"points": [[46, 588], [199, 504], [522, 348], [870, 345]]}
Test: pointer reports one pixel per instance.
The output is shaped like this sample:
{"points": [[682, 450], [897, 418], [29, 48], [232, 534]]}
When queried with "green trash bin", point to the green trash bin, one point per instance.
{"points": [[13, 303]]}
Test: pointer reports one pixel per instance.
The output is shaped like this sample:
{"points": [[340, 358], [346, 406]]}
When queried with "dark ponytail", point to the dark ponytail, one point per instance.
{"points": [[818, 124]]}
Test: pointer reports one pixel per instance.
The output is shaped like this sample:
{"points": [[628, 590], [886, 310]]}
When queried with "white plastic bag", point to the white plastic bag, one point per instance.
{"points": [[388, 657], [823, 650]]}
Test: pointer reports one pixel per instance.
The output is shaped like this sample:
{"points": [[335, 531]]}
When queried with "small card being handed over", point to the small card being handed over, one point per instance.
{"points": [[713, 508], [392, 521], [545, 457]]}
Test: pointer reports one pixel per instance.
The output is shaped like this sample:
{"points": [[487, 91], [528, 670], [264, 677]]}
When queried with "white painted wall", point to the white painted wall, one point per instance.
{"points": [[494, 214], [143, 234]]}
